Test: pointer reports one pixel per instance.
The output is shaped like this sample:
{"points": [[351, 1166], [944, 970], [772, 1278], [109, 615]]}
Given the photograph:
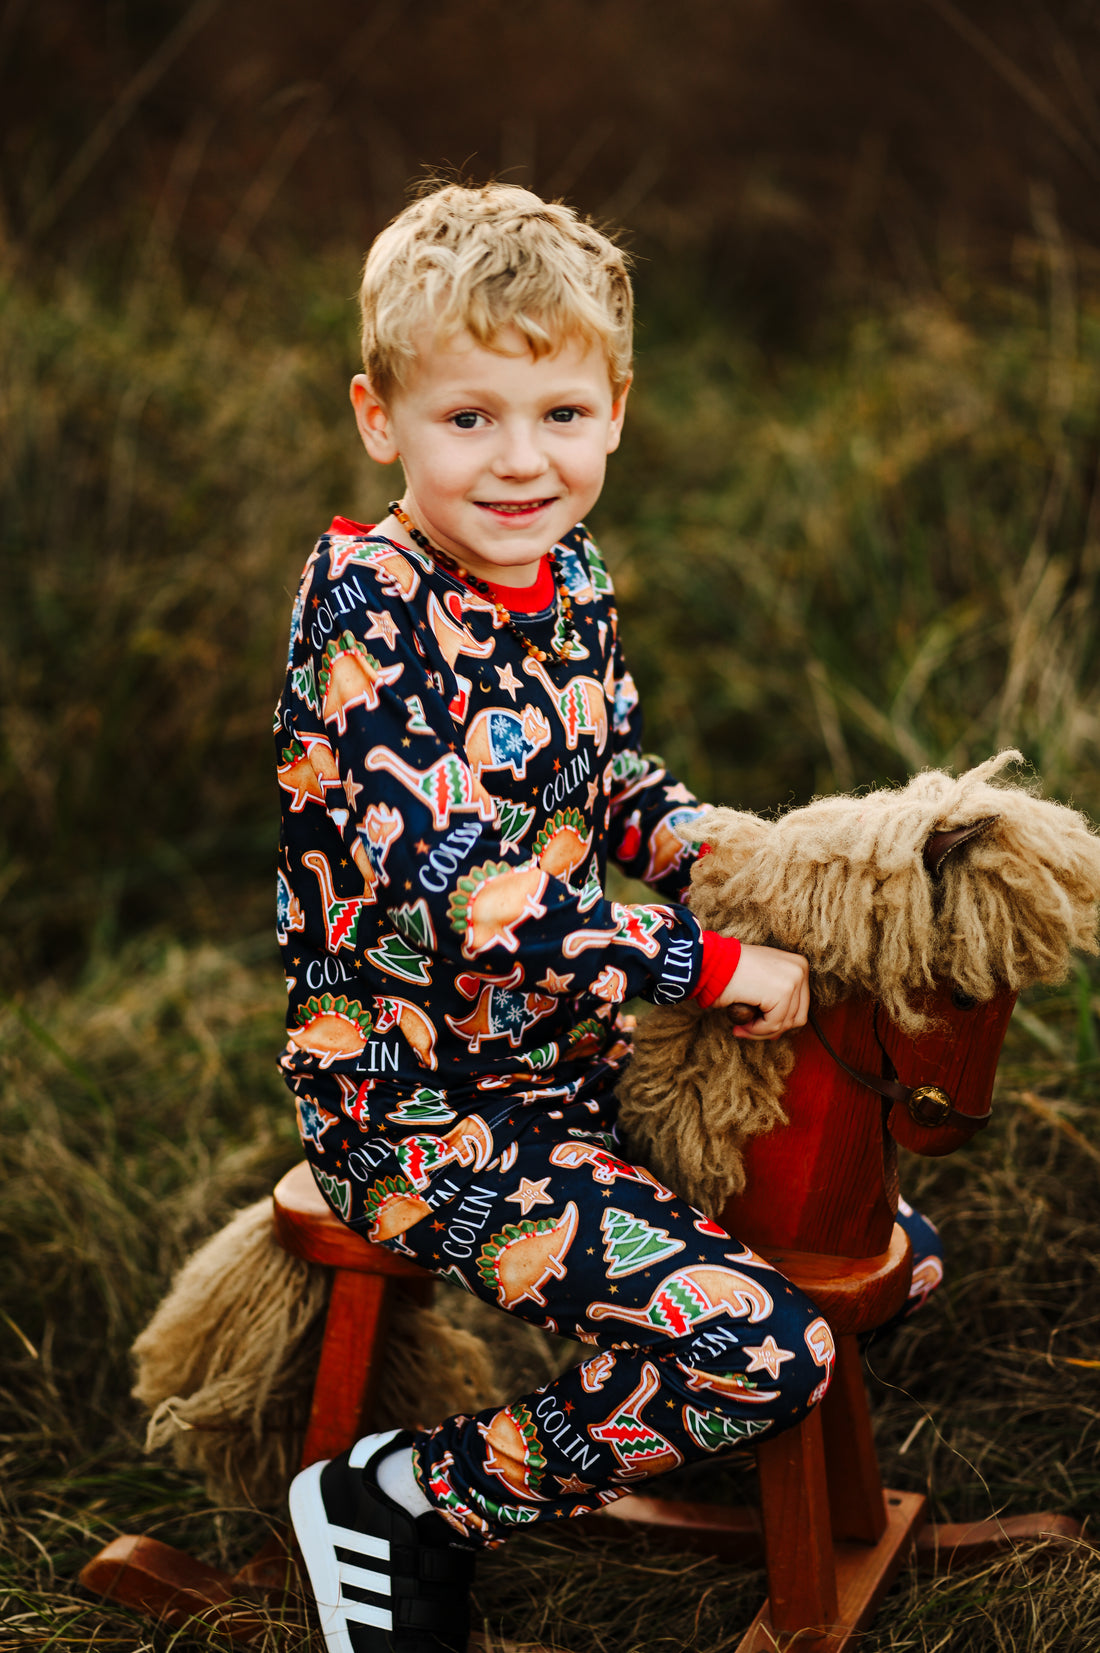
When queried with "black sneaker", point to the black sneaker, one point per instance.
{"points": [[384, 1581]]}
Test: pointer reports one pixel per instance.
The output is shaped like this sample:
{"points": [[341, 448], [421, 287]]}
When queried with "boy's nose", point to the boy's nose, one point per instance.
{"points": [[519, 454]]}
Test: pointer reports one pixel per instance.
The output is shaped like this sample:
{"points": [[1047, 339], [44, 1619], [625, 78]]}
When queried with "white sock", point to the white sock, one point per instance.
{"points": [[395, 1476]]}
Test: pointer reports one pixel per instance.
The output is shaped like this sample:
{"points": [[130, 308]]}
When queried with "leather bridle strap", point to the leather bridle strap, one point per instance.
{"points": [[926, 1105]]}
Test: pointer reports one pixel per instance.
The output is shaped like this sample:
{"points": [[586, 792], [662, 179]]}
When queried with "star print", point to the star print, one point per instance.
{"points": [[553, 983], [382, 625], [573, 1483], [591, 1250], [421, 847], [344, 1145], [352, 789], [593, 790], [567, 1406], [678, 794], [557, 764], [405, 741], [316, 601], [439, 1227], [768, 1357], [509, 682], [612, 1290], [297, 961], [530, 1193], [343, 860]]}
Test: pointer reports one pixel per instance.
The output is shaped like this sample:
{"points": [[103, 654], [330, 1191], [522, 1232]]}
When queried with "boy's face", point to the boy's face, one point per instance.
{"points": [[502, 453]]}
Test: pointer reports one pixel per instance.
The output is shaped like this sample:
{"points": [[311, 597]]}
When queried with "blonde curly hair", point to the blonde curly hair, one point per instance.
{"points": [[480, 260]]}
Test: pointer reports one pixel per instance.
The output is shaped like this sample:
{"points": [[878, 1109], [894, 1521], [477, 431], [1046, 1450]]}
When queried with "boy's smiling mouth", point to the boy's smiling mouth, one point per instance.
{"points": [[513, 507]]}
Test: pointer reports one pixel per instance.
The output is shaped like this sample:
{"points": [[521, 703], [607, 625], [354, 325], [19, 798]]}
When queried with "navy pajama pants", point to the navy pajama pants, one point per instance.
{"points": [[698, 1345]]}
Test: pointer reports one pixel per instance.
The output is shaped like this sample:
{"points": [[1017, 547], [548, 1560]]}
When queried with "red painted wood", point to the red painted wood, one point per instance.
{"points": [[856, 1504], [853, 1293], [941, 1544], [171, 1586], [835, 1163], [827, 1180], [864, 1573], [306, 1226], [960, 1055], [729, 1531], [355, 1331], [798, 1544]]}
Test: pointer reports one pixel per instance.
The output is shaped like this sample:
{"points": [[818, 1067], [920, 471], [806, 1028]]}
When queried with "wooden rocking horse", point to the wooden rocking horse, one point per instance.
{"points": [[816, 1116]]}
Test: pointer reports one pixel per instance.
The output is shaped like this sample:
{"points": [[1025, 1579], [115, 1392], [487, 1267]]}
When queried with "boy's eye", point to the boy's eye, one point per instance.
{"points": [[466, 420], [564, 416]]}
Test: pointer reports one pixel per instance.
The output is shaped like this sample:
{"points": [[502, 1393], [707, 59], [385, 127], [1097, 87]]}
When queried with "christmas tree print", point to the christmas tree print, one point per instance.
{"points": [[397, 958], [713, 1431], [337, 1191], [630, 1243], [515, 818], [415, 924]]}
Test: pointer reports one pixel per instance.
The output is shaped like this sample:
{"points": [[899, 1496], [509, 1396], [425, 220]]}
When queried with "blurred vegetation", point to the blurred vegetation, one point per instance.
{"points": [[835, 565]]}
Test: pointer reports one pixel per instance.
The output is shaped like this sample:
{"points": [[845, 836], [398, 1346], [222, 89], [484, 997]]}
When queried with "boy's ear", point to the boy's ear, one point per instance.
{"points": [[618, 412], [372, 417]]}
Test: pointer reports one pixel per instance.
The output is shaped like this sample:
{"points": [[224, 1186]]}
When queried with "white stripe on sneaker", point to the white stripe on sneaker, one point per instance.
{"points": [[361, 1612], [348, 1539], [364, 1578]]}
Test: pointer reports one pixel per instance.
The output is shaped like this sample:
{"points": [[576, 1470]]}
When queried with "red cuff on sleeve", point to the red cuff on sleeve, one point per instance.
{"points": [[721, 956]]}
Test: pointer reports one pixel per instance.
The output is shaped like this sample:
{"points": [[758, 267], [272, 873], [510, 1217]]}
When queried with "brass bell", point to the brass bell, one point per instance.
{"points": [[929, 1105]]}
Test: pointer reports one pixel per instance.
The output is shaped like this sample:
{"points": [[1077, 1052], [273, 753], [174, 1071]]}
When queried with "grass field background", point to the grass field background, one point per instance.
{"points": [[851, 538], [835, 567]]}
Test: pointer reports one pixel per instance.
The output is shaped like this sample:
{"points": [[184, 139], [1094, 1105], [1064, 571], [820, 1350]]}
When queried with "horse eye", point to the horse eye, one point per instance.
{"points": [[961, 1000]]}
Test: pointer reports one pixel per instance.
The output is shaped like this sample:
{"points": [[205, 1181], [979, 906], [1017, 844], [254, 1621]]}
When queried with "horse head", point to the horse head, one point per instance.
{"points": [[922, 910]]}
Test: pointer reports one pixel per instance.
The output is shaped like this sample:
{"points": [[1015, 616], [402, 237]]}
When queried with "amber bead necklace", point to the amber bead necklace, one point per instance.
{"points": [[570, 642]]}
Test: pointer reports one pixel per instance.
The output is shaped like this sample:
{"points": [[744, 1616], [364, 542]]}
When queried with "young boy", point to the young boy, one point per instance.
{"points": [[459, 754]]}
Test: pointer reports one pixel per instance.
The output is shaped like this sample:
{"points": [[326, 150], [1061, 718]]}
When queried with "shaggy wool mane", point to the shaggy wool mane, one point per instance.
{"points": [[843, 882]]}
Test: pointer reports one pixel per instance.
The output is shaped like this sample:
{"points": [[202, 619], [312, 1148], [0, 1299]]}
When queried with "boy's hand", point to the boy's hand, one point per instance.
{"points": [[775, 984]]}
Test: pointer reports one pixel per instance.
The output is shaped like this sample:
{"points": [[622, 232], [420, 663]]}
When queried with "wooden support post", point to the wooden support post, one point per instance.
{"points": [[797, 1539], [355, 1331], [856, 1503]]}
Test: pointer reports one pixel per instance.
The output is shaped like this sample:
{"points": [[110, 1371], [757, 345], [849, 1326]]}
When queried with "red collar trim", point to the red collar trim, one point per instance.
{"points": [[518, 599]]}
